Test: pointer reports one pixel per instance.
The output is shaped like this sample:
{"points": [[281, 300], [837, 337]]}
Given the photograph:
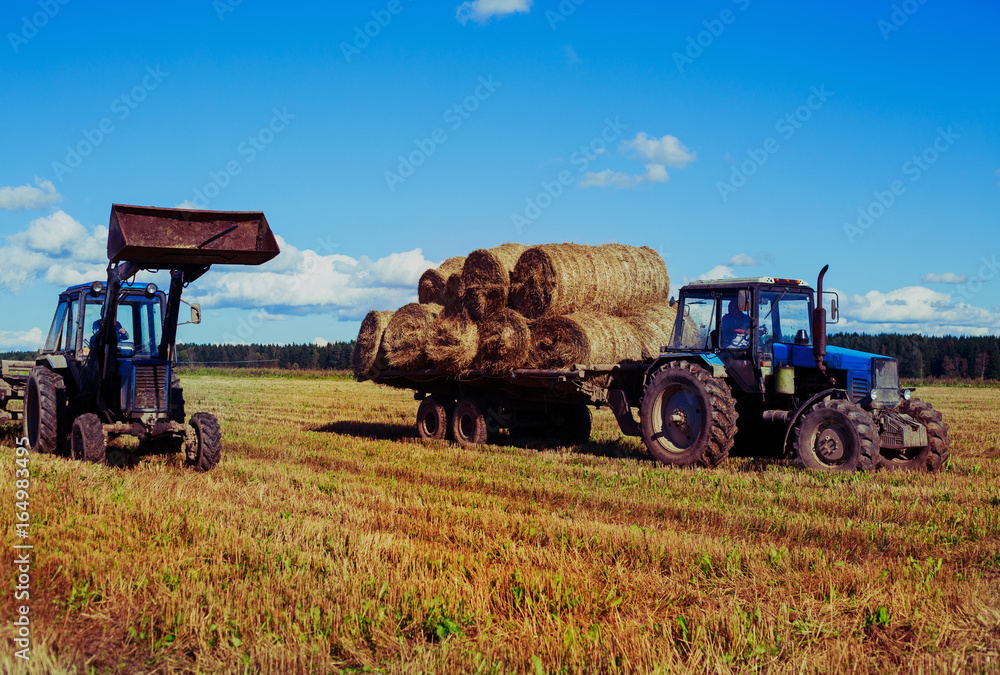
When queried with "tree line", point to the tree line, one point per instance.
{"points": [[919, 356]]}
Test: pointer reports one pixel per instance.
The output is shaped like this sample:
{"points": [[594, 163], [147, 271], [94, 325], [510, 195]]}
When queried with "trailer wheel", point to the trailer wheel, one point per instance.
{"points": [[938, 449], [208, 450], [433, 419], [688, 417], [837, 435], [87, 440], [45, 415], [469, 425]]}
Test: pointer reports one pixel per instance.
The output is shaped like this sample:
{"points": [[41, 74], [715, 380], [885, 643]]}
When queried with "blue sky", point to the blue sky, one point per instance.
{"points": [[736, 137]]}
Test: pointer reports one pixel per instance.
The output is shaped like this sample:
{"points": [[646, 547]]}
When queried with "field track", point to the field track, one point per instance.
{"points": [[330, 538]]}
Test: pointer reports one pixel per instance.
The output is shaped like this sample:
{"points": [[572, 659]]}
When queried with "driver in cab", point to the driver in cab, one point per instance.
{"points": [[737, 324]]}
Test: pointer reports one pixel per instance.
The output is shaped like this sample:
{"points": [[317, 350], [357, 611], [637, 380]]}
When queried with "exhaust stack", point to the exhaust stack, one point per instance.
{"points": [[819, 324]]}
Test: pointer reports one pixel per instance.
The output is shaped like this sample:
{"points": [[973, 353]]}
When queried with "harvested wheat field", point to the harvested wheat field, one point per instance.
{"points": [[330, 539]]}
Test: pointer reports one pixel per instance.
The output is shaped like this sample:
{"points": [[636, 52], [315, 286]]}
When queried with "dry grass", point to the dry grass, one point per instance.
{"points": [[330, 538]]}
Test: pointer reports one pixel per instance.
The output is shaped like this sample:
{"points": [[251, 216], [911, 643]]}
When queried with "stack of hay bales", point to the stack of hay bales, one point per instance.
{"points": [[511, 307]]}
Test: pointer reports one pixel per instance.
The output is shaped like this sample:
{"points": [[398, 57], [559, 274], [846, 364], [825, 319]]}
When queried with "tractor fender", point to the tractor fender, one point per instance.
{"points": [[711, 362], [52, 362], [804, 407]]}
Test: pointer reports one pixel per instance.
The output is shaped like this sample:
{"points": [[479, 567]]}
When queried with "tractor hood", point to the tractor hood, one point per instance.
{"points": [[837, 358]]}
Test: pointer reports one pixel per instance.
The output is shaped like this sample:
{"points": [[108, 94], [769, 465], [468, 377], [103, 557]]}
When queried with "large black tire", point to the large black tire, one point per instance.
{"points": [[688, 417], [469, 425], [87, 440], [938, 449], [837, 435], [45, 415], [434, 419], [209, 445], [572, 423]]}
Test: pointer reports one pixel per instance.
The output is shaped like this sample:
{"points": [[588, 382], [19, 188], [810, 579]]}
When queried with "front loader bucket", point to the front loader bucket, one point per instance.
{"points": [[157, 238]]}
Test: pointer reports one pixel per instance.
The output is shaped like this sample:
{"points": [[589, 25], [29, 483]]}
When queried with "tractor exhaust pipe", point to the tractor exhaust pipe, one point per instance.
{"points": [[819, 324]]}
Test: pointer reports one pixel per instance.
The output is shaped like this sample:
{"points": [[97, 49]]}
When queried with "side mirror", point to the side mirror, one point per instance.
{"points": [[834, 308], [195, 313]]}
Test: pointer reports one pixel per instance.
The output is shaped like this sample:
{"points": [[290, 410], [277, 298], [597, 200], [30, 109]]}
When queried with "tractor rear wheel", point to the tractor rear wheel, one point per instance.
{"points": [[938, 448], [469, 425], [837, 435], [433, 419], [45, 414], [688, 417], [87, 440], [208, 450]]}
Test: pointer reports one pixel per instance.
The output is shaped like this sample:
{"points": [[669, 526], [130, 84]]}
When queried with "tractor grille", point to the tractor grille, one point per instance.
{"points": [[859, 389], [885, 379], [150, 388]]}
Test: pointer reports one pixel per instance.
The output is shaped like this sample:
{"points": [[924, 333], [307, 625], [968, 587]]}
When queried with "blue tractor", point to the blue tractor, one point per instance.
{"points": [[748, 370]]}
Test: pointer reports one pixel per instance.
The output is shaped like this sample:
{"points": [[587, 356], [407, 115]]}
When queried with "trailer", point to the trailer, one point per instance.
{"points": [[13, 379], [473, 407]]}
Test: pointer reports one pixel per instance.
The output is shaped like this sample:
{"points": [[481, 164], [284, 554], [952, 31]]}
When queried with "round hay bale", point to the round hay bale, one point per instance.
{"points": [[453, 290], [368, 348], [407, 335], [504, 342], [486, 279], [433, 285], [558, 279], [654, 324], [454, 341], [583, 337]]}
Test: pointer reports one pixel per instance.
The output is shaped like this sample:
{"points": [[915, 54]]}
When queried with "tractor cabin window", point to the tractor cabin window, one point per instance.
{"points": [[695, 323], [736, 323], [54, 342], [782, 315], [138, 326]]}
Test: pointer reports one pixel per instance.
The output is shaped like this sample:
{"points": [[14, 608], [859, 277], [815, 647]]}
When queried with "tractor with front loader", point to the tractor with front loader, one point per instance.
{"points": [[107, 367]]}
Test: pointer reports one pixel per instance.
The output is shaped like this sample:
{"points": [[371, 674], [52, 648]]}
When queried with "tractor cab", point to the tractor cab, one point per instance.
{"points": [[740, 322]]}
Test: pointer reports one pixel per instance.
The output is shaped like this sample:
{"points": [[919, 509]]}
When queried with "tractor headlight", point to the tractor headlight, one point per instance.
{"points": [[150, 290], [96, 288], [907, 394], [874, 394]]}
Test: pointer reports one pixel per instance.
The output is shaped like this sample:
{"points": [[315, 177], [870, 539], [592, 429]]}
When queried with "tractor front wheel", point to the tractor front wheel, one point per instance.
{"points": [[45, 414], [87, 440], [208, 444], [938, 448], [688, 417], [838, 435]]}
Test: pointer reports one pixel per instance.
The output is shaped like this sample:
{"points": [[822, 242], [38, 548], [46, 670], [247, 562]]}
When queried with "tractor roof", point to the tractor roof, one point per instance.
{"points": [[745, 281]]}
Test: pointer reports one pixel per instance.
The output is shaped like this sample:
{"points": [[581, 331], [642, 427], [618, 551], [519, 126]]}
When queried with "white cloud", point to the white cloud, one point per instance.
{"points": [[482, 11], [320, 342], [718, 272], [946, 278], [21, 341], [306, 282], [188, 205], [743, 260], [27, 197], [655, 173], [57, 248], [916, 309], [667, 150]]}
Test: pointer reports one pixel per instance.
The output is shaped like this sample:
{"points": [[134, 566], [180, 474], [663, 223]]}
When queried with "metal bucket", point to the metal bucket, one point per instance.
{"points": [[168, 238]]}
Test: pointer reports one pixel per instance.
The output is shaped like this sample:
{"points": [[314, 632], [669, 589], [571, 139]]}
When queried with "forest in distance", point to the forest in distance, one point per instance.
{"points": [[920, 357]]}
